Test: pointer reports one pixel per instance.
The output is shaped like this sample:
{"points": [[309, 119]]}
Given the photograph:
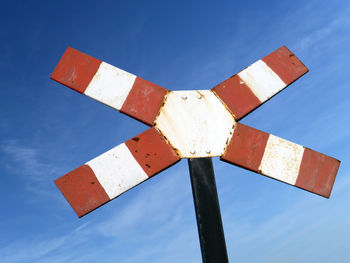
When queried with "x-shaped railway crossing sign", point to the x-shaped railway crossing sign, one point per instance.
{"points": [[188, 124]]}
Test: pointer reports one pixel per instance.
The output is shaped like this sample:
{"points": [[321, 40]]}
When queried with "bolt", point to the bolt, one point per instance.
{"points": [[208, 151], [192, 151]]}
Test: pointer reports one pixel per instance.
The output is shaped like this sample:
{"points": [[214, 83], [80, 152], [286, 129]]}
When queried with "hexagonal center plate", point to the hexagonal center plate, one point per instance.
{"points": [[196, 123]]}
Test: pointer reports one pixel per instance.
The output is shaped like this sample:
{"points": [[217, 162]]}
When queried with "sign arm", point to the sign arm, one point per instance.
{"points": [[253, 86], [110, 85], [282, 160], [116, 171]]}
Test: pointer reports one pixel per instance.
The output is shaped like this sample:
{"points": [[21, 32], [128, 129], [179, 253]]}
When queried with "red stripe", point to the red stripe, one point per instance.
{"points": [[237, 96], [152, 152], [246, 148], [82, 190], [285, 64], [76, 69], [317, 173], [144, 101]]}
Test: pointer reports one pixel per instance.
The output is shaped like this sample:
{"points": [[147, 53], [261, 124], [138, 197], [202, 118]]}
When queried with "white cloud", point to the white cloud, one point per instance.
{"points": [[26, 161], [319, 34], [32, 167]]}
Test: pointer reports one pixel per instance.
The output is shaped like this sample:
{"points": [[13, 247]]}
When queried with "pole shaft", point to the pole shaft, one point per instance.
{"points": [[206, 202]]}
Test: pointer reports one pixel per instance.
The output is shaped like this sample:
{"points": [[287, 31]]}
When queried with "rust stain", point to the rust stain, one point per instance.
{"points": [[201, 95], [154, 153], [246, 147], [168, 142], [179, 129], [162, 106], [228, 140]]}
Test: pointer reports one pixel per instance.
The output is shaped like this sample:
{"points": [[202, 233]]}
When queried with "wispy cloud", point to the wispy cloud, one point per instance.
{"points": [[31, 167], [295, 233], [45, 249], [153, 228], [26, 160], [149, 218], [160, 196], [325, 30], [28, 250]]}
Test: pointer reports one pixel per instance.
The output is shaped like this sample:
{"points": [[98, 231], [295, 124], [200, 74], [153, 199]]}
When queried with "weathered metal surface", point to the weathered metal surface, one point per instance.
{"points": [[82, 190], [152, 151], [281, 160], [76, 69], [188, 124], [262, 80], [196, 123], [285, 64], [246, 147], [237, 96], [144, 101], [116, 171], [110, 85], [317, 172], [250, 88]]}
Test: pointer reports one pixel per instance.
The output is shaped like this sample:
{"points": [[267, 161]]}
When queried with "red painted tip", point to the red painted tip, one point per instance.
{"points": [[317, 173], [75, 69], [82, 190], [285, 64]]}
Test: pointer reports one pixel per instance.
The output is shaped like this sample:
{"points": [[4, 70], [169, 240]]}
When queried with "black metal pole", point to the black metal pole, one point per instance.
{"points": [[206, 202]]}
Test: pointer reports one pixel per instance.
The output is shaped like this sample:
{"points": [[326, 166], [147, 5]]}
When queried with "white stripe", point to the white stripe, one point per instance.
{"points": [[117, 170], [110, 85], [281, 160], [262, 80]]}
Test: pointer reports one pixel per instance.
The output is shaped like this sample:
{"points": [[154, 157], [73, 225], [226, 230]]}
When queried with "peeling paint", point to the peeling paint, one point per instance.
{"points": [[281, 160]]}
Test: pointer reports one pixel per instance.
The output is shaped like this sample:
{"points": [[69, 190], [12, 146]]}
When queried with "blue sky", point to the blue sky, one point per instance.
{"points": [[46, 130]]}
